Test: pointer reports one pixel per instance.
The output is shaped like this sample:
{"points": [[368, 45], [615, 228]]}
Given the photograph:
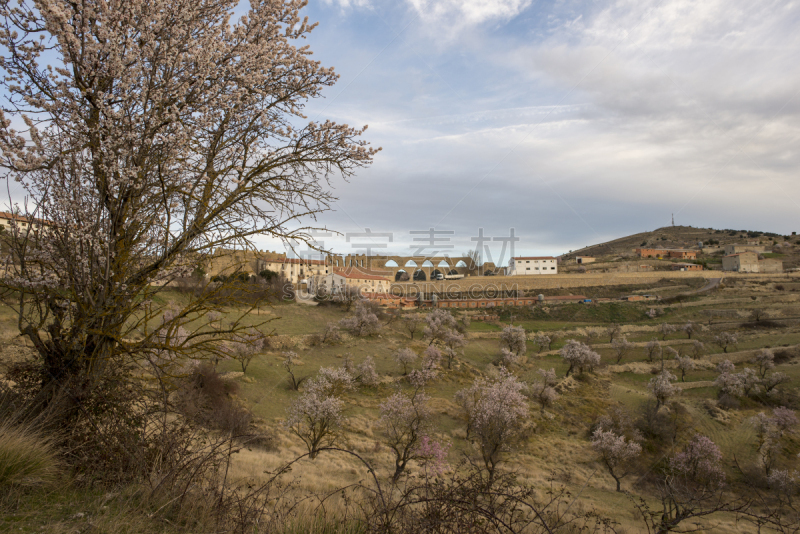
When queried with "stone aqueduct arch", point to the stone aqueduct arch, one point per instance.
{"points": [[391, 265]]}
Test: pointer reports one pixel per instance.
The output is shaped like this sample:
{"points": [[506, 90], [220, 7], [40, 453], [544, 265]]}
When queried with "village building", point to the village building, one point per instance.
{"points": [[664, 253], [335, 282], [686, 267], [532, 265], [736, 249], [585, 259], [295, 270], [743, 262], [770, 265], [25, 224]]}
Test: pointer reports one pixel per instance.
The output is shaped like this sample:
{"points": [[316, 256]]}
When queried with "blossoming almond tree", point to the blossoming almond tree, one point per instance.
{"points": [[497, 414], [158, 132], [614, 451], [404, 420]]}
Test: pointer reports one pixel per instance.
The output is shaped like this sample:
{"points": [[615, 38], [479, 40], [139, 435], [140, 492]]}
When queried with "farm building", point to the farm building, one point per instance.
{"points": [[532, 265]]}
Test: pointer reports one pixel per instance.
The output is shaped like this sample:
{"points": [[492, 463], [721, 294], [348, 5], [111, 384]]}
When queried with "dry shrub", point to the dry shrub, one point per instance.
{"points": [[786, 355], [207, 398], [728, 402], [660, 426]]}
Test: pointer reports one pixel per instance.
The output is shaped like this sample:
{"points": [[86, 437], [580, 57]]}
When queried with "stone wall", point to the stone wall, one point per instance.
{"points": [[566, 281]]}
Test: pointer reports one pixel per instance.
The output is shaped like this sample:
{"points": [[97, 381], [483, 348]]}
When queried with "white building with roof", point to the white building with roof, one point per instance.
{"points": [[365, 280], [532, 266]]}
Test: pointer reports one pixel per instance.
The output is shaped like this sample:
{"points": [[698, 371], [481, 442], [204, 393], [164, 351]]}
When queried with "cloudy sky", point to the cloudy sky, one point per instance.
{"points": [[572, 122]]}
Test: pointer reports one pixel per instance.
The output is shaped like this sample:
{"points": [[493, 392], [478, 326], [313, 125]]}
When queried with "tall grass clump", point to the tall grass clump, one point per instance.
{"points": [[26, 456], [318, 524]]}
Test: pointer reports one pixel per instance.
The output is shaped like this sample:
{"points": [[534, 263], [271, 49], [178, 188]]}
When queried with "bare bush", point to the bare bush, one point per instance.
{"points": [[621, 347], [290, 363], [614, 331], [543, 389], [653, 350], [207, 398]]}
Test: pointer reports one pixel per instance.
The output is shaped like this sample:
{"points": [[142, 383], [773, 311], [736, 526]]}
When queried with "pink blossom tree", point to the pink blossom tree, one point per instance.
{"points": [[666, 329], [405, 358], [164, 132], [404, 420], [316, 416], [765, 361], [245, 346], [497, 414], [514, 339], [771, 434], [579, 356], [685, 364], [662, 389], [366, 372], [363, 321], [690, 328], [543, 389], [543, 342], [692, 487], [725, 340], [439, 324], [615, 452]]}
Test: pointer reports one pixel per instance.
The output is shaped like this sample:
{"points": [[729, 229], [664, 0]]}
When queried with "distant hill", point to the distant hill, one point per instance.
{"points": [[786, 248]]}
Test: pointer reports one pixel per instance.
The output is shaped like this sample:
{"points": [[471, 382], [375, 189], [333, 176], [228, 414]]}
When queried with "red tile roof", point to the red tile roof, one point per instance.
{"points": [[12, 216], [534, 258]]}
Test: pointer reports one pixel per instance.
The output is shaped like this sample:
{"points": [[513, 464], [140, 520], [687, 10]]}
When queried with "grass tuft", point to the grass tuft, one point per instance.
{"points": [[26, 456]]}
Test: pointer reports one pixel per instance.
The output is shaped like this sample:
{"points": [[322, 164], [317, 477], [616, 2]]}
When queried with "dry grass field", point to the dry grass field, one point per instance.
{"points": [[557, 449]]}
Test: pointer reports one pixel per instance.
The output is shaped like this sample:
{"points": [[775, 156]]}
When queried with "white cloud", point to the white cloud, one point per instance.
{"points": [[347, 4], [469, 12]]}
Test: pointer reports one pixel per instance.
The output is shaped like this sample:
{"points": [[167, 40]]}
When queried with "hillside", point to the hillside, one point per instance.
{"points": [[786, 248]]}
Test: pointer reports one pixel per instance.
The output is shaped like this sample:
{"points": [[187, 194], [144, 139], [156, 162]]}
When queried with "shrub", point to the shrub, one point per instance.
{"points": [[206, 397], [26, 456]]}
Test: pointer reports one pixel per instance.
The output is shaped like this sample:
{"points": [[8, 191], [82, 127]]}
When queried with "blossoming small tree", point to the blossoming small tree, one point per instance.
{"points": [[404, 421], [615, 452], [167, 132], [497, 413]]}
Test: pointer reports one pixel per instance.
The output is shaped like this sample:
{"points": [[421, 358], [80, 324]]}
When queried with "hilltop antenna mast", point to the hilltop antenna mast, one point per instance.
{"points": [[673, 219]]}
